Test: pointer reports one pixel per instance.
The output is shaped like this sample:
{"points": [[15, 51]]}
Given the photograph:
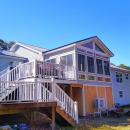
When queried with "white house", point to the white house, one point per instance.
{"points": [[28, 51], [120, 85], [9, 59]]}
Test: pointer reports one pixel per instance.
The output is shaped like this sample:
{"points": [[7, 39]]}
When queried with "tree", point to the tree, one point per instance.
{"points": [[6, 45], [124, 66]]}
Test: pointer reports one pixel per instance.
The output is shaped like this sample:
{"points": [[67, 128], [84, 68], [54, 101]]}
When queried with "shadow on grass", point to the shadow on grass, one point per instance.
{"points": [[120, 123]]}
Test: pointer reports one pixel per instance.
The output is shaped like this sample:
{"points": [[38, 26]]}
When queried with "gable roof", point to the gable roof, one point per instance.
{"points": [[27, 46], [76, 42], [114, 67], [9, 54]]}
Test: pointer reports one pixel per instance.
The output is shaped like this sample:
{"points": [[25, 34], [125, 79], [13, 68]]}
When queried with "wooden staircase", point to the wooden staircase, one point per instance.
{"points": [[65, 117]]}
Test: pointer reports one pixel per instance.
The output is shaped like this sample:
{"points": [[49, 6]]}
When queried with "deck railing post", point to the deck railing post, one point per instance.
{"points": [[19, 70], [35, 68], [53, 88], [76, 111]]}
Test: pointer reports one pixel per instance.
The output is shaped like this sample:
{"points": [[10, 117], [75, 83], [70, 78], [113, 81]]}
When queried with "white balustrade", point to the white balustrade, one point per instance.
{"points": [[12, 89], [25, 91], [38, 92], [38, 69], [65, 102]]}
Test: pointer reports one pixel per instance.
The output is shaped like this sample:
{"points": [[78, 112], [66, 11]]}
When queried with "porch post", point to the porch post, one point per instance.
{"points": [[71, 93], [53, 118], [53, 88], [35, 68], [84, 101]]}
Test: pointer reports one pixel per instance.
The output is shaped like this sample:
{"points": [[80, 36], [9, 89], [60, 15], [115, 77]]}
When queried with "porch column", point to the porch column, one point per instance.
{"points": [[84, 101], [53, 118], [53, 88], [71, 93]]}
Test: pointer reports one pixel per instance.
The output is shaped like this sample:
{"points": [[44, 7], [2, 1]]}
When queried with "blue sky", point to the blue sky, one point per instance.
{"points": [[52, 23]]}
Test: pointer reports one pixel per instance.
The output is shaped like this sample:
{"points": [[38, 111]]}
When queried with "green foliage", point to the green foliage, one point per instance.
{"points": [[124, 66], [5, 45]]}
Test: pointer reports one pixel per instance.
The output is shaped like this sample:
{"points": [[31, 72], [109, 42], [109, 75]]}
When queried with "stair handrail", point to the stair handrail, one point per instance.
{"points": [[14, 74], [4, 71], [19, 75], [65, 102]]}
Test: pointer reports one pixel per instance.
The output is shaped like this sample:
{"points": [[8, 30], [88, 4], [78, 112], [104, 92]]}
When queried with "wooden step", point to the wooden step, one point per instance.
{"points": [[66, 116]]}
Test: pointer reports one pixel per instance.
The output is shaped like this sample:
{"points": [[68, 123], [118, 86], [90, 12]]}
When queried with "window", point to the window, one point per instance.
{"points": [[88, 45], [90, 64], [106, 67], [127, 76], [51, 60], [67, 61], [99, 66], [82, 76], [101, 103], [119, 77], [81, 62], [121, 94], [90, 77]]}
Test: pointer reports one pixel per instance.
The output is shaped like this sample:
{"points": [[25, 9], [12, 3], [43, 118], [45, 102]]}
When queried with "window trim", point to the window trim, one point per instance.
{"points": [[126, 76], [84, 62], [104, 67], [119, 77], [66, 60], [93, 64], [120, 94], [97, 66]]}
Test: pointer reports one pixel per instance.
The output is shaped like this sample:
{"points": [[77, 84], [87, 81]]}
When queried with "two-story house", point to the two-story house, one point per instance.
{"points": [[87, 65], [73, 80], [120, 85]]}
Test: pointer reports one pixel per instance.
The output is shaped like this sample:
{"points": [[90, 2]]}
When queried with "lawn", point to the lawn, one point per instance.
{"points": [[122, 123]]}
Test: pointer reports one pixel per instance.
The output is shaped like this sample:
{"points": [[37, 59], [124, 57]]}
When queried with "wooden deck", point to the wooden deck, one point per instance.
{"points": [[24, 107], [53, 112], [38, 97], [14, 107]]}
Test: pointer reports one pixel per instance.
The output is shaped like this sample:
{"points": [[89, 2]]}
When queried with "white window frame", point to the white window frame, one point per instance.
{"points": [[121, 94], [120, 77]]}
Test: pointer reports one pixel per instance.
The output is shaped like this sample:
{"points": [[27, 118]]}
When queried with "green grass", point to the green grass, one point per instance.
{"points": [[122, 123]]}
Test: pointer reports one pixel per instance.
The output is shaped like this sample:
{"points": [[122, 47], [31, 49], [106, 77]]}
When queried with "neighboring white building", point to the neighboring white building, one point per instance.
{"points": [[28, 51], [8, 59], [120, 85]]}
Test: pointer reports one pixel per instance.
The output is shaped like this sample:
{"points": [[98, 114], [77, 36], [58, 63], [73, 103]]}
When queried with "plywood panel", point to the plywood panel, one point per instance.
{"points": [[109, 97], [91, 93], [90, 96], [101, 92]]}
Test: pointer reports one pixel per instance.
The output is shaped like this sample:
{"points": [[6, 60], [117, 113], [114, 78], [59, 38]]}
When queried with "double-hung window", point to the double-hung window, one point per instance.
{"points": [[81, 63], [67, 61], [90, 64], [121, 94], [127, 76], [106, 67], [119, 77], [99, 66]]}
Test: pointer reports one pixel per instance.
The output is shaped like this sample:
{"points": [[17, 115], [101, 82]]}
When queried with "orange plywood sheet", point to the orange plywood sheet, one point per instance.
{"points": [[101, 92], [109, 97], [90, 96]]}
